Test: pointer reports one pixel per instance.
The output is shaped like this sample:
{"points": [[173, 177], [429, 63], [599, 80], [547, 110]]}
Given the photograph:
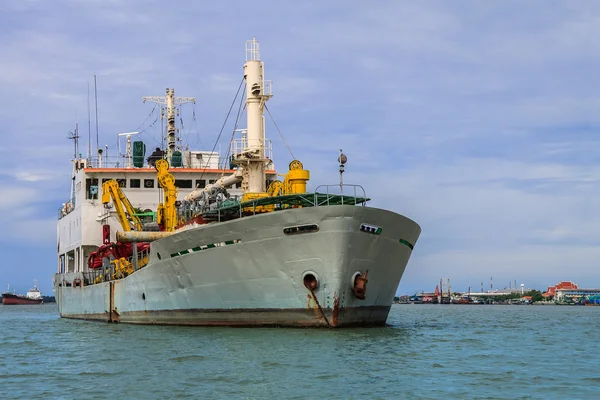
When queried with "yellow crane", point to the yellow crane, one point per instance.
{"points": [[111, 189], [167, 211], [294, 182]]}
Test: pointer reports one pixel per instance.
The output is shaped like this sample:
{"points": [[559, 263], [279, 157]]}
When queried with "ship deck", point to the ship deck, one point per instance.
{"points": [[236, 209]]}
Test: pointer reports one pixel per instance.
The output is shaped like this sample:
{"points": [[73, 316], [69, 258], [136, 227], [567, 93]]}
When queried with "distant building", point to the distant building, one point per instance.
{"points": [[568, 292], [563, 285], [574, 294]]}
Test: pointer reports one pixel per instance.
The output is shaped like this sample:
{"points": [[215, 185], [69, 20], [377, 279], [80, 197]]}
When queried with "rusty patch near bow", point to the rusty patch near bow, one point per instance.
{"points": [[313, 304], [319, 309], [360, 286], [336, 310]]}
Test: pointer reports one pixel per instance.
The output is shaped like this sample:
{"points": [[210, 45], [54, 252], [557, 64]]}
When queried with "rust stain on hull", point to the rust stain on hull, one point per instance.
{"points": [[113, 315], [321, 313], [313, 305], [336, 310]]}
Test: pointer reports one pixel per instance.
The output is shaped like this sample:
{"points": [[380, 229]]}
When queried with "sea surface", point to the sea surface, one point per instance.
{"points": [[426, 352]]}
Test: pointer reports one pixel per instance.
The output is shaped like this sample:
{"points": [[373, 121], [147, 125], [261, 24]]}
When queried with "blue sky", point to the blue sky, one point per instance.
{"points": [[477, 119]]}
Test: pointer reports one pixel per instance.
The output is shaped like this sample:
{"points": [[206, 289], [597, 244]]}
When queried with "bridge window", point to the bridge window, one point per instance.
{"points": [[201, 183], [149, 183], [134, 183], [211, 181], [122, 183], [91, 188], [183, 183]]}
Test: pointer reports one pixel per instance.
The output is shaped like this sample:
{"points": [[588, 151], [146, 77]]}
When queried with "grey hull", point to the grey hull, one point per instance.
{"points": [[248, 272]]}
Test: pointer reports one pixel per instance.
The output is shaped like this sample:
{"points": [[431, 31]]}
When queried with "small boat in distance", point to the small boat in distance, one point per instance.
{"points": [[33, 296]]}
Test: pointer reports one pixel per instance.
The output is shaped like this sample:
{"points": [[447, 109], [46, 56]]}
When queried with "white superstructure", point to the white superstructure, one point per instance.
{"points": [[34, 294], [80, 219]]}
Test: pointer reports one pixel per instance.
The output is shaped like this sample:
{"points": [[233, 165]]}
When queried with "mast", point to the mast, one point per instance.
{"points": [[74, 136], [258, 92], [170, 102]]}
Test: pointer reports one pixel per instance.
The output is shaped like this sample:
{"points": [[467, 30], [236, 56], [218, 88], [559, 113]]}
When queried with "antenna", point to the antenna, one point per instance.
{"points": [[96, 105], [74, 136], [89, 123]]}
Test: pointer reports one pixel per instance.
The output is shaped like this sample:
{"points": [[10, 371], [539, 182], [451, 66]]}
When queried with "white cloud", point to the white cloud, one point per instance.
{"points": [[36, 176]]}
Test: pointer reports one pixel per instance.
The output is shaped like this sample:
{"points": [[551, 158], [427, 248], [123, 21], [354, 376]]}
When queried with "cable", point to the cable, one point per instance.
{"points": [[223, 127], [149, 115], [281, 134], [195, 126], [237, 120]]}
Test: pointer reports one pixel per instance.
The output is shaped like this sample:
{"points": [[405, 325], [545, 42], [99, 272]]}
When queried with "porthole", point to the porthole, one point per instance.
{"points": [[310, 279]]}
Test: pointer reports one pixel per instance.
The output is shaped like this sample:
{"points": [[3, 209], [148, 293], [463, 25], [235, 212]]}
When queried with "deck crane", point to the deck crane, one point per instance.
{"points": [[167, 211], [110, 189], [119, 253]]}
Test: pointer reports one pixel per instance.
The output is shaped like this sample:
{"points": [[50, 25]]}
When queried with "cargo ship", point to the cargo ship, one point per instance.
{"points": [[189, 238], [33, 296]]}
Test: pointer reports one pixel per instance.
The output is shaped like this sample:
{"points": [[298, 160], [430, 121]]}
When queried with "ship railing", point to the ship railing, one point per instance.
{"points": [[107, 271], [141, 255], [90, 276], [66, 208], [340, 194], [242, 148], [267, 88]]}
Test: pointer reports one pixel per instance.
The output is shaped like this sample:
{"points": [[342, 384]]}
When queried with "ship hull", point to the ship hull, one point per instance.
{"points": [[13, 299], [251, 272]]}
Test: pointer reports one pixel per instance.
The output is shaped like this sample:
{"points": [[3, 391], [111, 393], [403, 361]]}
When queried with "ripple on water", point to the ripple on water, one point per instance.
{"points": [[425, 352]]}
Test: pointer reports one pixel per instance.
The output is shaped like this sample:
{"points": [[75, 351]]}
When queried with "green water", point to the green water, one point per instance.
{"points": [[426, 352]]}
